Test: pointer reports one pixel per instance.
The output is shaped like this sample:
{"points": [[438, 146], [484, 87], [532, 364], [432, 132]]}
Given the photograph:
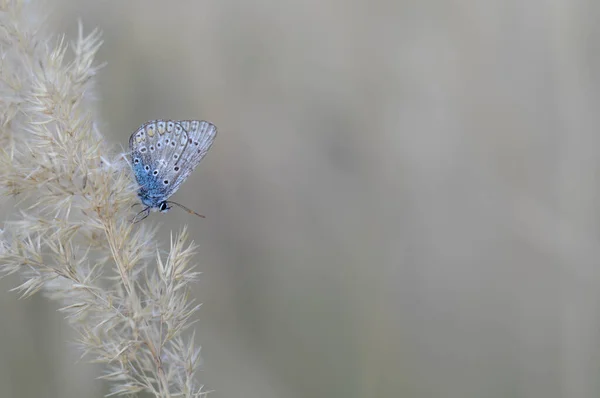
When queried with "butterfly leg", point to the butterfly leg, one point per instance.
{"points": [[144, 213]]}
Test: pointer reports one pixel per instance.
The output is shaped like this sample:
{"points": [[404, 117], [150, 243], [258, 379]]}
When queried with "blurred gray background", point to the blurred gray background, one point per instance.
{"points": [[402, 200]]}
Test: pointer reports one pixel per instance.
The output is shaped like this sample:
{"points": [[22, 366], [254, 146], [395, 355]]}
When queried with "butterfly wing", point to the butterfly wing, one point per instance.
{"points": [[200, 135], [165, 152]]}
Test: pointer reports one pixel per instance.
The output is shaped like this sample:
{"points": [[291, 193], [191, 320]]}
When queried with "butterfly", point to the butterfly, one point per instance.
{"points": [[163, 155]]}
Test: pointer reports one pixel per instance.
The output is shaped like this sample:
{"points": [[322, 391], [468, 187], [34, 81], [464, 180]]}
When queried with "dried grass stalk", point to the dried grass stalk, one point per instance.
{"points": [[71, 237]]}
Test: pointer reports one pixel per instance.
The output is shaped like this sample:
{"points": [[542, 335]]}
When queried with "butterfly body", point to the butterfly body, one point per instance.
{"points": [[163, 155], [150, 189]]}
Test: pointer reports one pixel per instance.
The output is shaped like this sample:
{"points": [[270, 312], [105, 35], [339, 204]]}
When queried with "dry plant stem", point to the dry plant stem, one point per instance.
{"points": [[124, 273], [72, 239]]}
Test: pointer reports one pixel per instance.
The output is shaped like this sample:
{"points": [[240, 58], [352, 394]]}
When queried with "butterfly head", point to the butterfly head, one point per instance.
{"points": [[163, 207]]}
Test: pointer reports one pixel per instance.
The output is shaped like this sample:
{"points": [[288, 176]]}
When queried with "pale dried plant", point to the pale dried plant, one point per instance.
{"points": [[71, 236]]}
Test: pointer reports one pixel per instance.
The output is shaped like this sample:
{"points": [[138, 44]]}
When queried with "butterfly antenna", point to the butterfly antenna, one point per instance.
{"points": [[186, 209]]}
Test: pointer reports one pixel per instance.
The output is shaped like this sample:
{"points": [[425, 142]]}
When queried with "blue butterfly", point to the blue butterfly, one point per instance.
{"points": [[163, 154]]}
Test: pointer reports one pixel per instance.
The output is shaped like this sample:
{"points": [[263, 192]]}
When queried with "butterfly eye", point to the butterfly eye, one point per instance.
{"points": [[176, 168], [172, 143], [169, 126], [175, 156], [155, 172], [178, 129], [136, 160], [167, 141], [147, 168], [196, 143], [152, 148], [166, 182], [143, 149], [158, 144]]}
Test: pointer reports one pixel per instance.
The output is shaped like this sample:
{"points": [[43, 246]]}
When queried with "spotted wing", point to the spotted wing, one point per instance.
{"points": [[200, 136], [167, 152], [154, 147]]}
